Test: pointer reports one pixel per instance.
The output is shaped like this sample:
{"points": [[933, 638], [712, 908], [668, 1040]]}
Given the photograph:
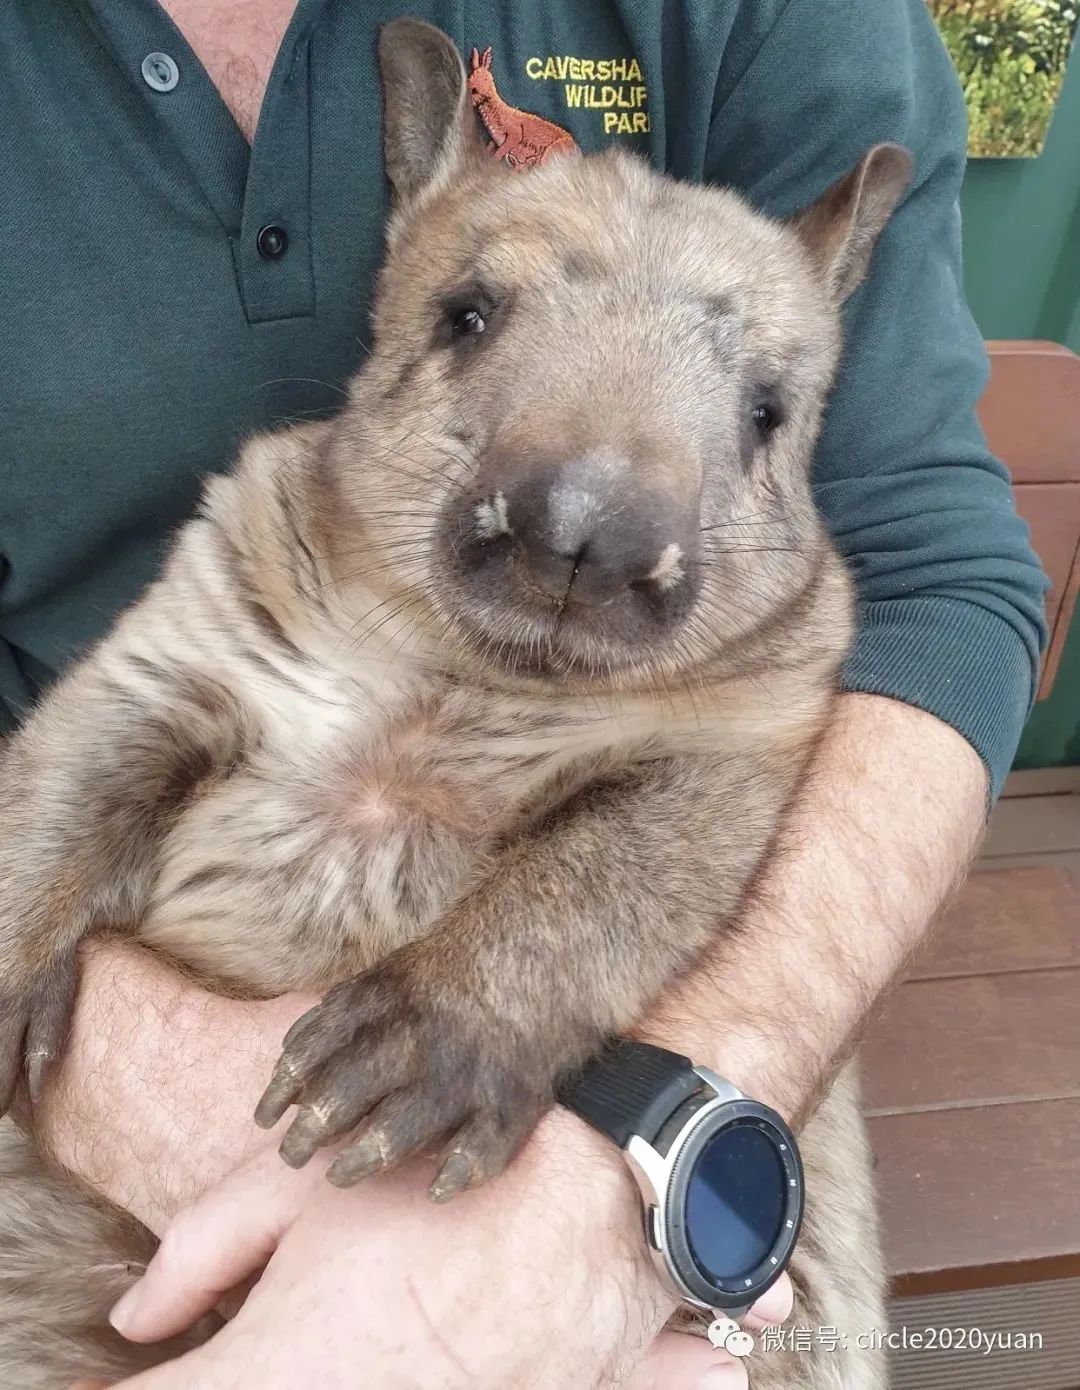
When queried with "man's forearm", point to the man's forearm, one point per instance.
{"points": [[154, 1098], [883, 831]]}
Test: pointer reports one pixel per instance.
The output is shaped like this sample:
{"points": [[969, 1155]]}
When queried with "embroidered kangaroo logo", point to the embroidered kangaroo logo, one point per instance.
{"points": [[519, 137]]}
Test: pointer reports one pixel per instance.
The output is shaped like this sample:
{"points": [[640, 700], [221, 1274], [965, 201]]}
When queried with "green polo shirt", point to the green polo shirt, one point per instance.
{"points": [[165, 289]]}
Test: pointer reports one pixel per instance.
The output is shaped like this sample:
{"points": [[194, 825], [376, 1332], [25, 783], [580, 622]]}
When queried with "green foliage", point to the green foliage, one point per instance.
{"points": [[1011, 57]]}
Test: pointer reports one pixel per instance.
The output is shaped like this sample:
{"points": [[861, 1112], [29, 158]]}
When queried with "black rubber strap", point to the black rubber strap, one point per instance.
{"points": [[630, 1088]]}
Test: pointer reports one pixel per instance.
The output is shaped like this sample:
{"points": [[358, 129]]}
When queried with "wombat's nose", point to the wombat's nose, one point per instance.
{"points": [[586, 534]]}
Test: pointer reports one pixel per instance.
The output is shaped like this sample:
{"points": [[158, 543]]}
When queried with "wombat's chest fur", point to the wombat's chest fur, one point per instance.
{"points": [[357, 815]]}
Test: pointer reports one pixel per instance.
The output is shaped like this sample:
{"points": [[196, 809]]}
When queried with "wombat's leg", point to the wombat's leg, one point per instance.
{"points": [[838, 1271], [464, 1033], [86, 790], [65, 1258]]}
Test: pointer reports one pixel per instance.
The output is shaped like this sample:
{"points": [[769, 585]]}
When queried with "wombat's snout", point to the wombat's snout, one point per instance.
{"points": [[582, 531], [589, 537], [581, 536]]}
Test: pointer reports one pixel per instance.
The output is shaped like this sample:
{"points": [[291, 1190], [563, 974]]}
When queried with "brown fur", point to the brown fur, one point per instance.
{"points": [[494, 790]]}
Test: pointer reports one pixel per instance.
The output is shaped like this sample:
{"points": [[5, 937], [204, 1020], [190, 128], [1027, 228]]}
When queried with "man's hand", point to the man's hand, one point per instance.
{"points": [[539, 1279], [144, 1109]]}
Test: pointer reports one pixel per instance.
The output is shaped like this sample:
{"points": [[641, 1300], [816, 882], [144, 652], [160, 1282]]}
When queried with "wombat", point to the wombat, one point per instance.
{"points": [[478, 705]]}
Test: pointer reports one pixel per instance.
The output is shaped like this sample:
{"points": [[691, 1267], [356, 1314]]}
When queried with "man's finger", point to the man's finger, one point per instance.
{"points": [[222, 1239], [773, 1307], [678, 1361]]}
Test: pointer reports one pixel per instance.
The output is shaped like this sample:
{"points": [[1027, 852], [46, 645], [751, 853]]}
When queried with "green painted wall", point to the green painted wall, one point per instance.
{"points": [[1022, 234], [1022, 268]]}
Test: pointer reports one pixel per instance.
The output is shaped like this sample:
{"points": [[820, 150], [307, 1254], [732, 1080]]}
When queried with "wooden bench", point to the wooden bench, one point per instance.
{"points": [[973, 1071], [1031, 415]]}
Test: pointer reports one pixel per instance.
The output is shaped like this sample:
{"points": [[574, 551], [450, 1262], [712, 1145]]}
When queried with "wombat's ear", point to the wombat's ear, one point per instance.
{"points": [[840, 229], [429, 123]]}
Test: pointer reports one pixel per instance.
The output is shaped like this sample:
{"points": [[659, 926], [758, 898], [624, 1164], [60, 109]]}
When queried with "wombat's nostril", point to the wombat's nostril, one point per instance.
{"points": [[670, 569], [491, 518]]}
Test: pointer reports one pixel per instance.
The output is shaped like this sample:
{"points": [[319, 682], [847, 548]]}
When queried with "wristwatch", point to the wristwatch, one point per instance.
{"points": [[720, 1176]]}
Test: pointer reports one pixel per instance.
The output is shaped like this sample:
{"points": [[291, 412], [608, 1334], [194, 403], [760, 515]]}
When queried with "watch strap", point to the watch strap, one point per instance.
{"points": [[630, 1088]]}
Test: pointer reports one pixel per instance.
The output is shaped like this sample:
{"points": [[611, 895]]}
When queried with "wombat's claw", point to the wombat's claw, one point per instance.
{"points": [[34, 1026], [279, 1094], [480, 1150], [455, 1175]]}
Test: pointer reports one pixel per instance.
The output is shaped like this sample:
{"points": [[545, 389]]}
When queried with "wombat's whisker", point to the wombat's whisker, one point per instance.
{"points": [[425, 480], [440, 449], [425, 592], [464, 462], [361, 621], [757, 550], [403, 572], [410, 600], [371, 630], [403, 542], [412, 514], [764, 518], [766, 596], [442, 482], [300, 381], [754, 528], [313, 589]]}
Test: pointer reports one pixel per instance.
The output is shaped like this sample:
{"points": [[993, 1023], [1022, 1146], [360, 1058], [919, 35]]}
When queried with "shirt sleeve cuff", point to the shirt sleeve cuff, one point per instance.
{"points": [[954, 659]]}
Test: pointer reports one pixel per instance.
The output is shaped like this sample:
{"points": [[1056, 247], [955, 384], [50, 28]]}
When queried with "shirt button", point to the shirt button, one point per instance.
{"points": [[160, 72], [272, 241]]}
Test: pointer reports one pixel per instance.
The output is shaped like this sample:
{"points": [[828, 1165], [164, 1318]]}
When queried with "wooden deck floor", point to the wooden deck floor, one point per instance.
{"points": [[973, 1071]]}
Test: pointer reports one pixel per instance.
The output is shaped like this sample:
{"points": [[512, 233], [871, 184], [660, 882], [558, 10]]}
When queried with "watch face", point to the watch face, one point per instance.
{"points": [[736, 1202], [733, 1205]]}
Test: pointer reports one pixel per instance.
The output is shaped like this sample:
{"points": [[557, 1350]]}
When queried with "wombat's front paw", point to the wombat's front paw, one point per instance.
{"points": [[413, 1060], [34, 1021]]}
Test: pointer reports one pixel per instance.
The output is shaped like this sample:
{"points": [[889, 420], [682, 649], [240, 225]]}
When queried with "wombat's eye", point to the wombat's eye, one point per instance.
{"points": [[765, 417], [465, 312], [467, 323]]}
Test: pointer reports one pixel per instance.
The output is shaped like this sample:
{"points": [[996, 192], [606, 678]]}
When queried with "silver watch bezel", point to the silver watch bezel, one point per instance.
{"points": [[654, 1171]]}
